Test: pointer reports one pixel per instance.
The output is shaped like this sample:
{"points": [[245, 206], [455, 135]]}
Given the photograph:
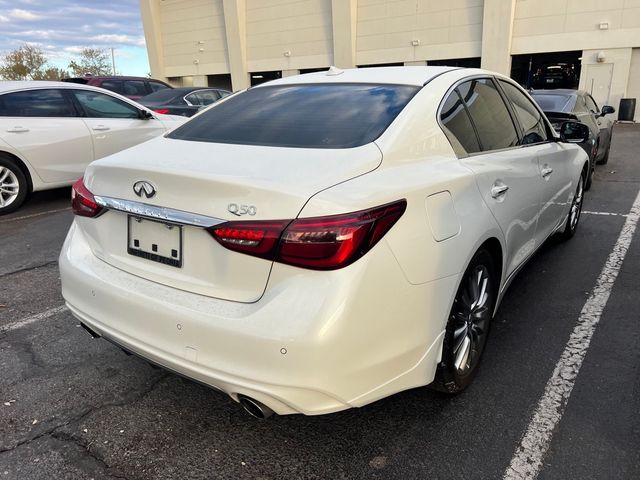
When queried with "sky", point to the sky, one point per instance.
{"points": [[63, 27]]}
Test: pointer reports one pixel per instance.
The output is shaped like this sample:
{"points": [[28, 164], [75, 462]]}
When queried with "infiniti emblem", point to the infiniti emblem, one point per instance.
{"points": [[143, 188]]}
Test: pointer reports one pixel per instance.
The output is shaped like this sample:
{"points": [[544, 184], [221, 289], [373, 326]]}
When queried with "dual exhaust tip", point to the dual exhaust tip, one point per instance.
{"points": [[253, 407]]}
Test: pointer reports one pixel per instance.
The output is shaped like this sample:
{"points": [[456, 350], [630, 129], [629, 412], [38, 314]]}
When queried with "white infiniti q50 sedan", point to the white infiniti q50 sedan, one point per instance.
{"points": [[322, 241], [50, 132]]}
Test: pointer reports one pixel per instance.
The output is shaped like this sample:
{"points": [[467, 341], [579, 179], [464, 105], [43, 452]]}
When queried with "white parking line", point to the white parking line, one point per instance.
{"points": [[33, 318], [527, 460], [14, 219], [605, 213]]}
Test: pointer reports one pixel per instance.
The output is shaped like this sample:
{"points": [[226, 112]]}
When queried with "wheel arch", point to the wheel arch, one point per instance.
{"points": [[21, 165]]}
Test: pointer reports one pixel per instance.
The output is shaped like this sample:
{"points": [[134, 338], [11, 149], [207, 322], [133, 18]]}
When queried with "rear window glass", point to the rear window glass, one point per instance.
{"points": [[303, 116], [554, 103]]}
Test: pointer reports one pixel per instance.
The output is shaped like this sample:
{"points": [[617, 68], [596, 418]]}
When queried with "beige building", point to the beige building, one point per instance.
{"points": [[237, 43]]}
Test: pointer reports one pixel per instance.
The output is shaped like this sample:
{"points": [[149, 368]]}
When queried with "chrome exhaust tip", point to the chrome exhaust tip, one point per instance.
{"points": [[255, 408], [89, 331]]}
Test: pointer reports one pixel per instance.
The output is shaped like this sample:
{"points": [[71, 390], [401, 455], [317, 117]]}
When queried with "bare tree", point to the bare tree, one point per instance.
{"points": [[25, 63], [93, 61]]}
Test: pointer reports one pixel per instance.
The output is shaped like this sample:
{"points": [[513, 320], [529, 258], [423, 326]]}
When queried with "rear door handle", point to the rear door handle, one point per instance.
{"points": [[498, 190], [17, 130], [100, 128], [546, 171]]}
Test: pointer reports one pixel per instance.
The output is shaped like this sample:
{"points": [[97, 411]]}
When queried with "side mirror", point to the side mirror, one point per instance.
{"points": [[574, 132], [607, 109], [144, 115]]}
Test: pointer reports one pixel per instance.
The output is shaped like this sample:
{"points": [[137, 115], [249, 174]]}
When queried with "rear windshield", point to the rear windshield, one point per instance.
{"points": [[303, 116], [554, 103]]}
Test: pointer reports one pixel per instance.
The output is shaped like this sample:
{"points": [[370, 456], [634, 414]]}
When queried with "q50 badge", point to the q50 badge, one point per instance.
{"points": [[240, 210]]}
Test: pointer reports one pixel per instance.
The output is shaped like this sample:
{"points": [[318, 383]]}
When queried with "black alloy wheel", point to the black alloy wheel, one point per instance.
{"points": [[468, 325], [575, 211]]}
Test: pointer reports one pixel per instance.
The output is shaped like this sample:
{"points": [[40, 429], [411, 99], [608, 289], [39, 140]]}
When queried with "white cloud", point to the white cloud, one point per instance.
{"points": [[119, 39], [20, 14]]}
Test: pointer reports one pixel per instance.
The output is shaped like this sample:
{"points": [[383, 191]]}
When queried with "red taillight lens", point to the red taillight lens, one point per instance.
{"points": [[322, 243], [162, 111], [83, 202], [255, 238]]}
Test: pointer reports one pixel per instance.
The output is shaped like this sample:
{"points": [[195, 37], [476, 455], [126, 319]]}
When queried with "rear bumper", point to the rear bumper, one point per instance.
{"points": [[313, 344]]}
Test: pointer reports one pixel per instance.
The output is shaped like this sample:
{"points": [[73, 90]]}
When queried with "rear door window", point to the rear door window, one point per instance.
{"points": [[458, 126], [99, 105], [530, 119], [36, 103], [303, 116], [113, 85], [202, 97], [489, 114]]}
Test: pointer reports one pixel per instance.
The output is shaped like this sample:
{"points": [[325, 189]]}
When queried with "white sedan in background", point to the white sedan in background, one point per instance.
{"points": [[50, 132], [322, 241]]}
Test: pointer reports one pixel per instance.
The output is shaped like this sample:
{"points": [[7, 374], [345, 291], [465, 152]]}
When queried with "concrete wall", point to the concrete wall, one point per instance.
{"points": [[633, 85], [442, 29], [193, 37], [557, 25], [595, 77], [288, 34]]}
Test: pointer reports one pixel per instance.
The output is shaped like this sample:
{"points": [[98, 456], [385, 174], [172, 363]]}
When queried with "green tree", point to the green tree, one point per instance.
{"points": [[25, 63], [52, 73], [93, 61]]}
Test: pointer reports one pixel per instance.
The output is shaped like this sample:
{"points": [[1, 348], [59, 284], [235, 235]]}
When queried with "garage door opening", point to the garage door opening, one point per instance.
{"points": [[473, 62], [260, 77], [547, 70]]}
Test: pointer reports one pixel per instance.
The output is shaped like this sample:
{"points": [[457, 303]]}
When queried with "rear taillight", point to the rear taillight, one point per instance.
{"points": [[321, 243], [83, 203], [162, 111]]}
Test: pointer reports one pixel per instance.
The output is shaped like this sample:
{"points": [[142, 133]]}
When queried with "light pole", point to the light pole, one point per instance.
{"points": [[113, 61]]}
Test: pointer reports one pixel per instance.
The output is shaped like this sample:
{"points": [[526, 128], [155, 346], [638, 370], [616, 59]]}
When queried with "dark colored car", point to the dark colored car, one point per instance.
{"points": [[185, 101], [561, 105], [557, 75], [131, 87]]}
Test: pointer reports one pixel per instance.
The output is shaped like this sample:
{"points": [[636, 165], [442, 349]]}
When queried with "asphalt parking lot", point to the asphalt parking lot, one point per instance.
{"points": [[72, 407]]}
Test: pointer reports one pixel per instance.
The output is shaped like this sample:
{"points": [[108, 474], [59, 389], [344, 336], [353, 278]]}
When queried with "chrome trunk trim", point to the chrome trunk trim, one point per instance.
{"points": [[157, 213]]}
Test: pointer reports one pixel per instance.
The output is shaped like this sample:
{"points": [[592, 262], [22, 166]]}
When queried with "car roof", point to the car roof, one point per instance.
{"points": [[387, 75], [12, 85], [111, 77]]}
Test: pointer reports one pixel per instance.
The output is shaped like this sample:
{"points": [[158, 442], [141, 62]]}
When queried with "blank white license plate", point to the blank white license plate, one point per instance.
{"points": [[156, 241]]}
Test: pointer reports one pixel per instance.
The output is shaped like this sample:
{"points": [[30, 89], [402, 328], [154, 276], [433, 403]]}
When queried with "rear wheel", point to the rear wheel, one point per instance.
{"points": [[575, 211], [13, 186], [468, 325], [605, 159]]}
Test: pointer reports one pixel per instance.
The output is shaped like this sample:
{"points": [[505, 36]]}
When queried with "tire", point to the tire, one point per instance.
{"points": [[573, 218], [605, 159], [589, 181], [468, 325], [13, 186]]}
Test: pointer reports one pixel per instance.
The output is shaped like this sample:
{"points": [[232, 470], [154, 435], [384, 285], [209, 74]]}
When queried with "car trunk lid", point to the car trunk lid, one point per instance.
{"points": [[214, 181]]}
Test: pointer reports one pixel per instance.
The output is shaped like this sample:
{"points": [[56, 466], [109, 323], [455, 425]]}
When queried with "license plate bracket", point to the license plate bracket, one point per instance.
{"points": [[153, 240]]}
